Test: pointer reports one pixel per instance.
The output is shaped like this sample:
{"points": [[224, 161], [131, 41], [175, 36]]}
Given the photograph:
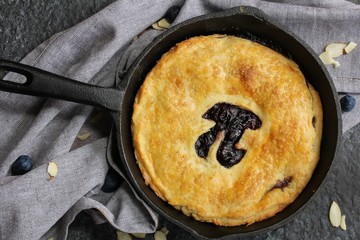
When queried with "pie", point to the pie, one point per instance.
{"points": [[226, 130]]}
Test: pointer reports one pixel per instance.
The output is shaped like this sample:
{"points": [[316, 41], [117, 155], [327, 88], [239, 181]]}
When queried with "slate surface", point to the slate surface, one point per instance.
{"points": [[25, 24]]}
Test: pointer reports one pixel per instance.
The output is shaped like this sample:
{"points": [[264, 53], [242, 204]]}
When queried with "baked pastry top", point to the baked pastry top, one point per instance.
{"points": [[226, 130]]}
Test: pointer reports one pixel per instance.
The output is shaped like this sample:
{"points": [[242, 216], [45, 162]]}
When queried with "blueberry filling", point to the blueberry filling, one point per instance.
{"points": [[233, 120], [284, 183], [314, 121]]}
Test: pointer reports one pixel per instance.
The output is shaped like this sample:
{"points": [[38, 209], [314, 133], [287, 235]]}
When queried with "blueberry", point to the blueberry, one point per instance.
{"points": [[171, 13], [112, 181], [22, 165], [347, 103]]}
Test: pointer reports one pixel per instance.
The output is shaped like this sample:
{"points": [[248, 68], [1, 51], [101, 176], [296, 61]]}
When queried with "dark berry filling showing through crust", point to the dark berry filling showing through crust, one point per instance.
{"points": [[314, 121], [233, 120], [282, 183]]}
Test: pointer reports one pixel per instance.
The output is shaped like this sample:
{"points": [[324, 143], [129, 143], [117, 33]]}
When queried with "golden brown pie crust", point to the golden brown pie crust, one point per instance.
{"points": [[167, 120]]}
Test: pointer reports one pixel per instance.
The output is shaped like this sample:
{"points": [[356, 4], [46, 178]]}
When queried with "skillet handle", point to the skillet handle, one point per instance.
{"points": [[45, 84]]}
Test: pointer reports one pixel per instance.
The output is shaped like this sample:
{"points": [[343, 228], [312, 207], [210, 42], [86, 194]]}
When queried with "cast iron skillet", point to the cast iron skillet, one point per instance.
{"points": [[247, 22]]}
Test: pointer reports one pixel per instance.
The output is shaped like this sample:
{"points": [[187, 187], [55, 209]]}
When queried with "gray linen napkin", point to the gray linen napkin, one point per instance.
{"points": [[33, 207]]}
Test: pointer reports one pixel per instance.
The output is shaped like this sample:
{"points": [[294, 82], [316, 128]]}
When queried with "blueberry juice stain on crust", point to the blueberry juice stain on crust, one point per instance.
{"points": [[233, 120], [283, 183]]}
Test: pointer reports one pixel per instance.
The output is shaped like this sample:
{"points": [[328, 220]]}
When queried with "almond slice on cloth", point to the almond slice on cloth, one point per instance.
{"points": [[156, 26], [335, 63], [163, 23], [139, 235], [164, 230], [335, 49], [52, 170], [83, 137], [326, 58], [159, 235], [120, 235], [335, 214], [350, 47], [343, 223]]}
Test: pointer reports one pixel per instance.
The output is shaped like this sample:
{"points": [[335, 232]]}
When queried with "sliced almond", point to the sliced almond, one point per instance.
{"points": [[139, 235], [335, 63], [335, 214], [350, 47], [163, 23], [335, 49], [326, 58], [120, 235], [164, 230], [156, 26], [52, 170], [159, 235], [343, 223], [83, 137]]}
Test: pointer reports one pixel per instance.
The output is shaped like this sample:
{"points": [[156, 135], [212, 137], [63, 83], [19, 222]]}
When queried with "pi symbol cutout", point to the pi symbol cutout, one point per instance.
{"points": [[233, 120]]}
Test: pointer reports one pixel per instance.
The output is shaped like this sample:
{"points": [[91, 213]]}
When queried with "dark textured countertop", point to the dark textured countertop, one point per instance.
{"points": [[25, 24]]}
